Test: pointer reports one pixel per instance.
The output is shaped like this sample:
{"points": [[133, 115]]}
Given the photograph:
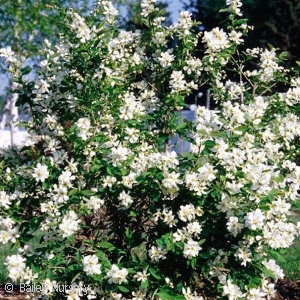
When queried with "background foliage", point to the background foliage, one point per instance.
{"points": [[275, 21]]}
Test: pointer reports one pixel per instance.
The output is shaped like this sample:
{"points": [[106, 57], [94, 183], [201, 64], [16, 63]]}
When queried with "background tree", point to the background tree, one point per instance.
{"points": [[275, 21], [25, 24], [23, 27]]}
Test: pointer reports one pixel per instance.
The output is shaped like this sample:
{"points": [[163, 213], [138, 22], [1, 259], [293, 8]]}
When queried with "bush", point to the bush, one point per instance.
{"points": [[122, 215]]}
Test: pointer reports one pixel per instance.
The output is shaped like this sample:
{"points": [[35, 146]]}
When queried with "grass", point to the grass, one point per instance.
{"points": [[292, 255], [7, 249]]}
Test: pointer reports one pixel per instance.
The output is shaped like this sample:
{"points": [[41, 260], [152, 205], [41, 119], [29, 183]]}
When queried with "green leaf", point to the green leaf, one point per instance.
{"points": [[204, 255], [223, 10], [218, 134], [275, 255], [106, 245], [87, 193], [272, 194], [110, 170], [72, 192], [34, 223], [269, 273], [78, 256], [144, 284], [241, 128], [74, 267], [26, 70], [23, 99], [167, 295], [209, 144], [181, 126], [153, 272], [283, 55], [76, 276], [202, 241], [139, 252], [193, 262], [49, 273], [123, 289]]}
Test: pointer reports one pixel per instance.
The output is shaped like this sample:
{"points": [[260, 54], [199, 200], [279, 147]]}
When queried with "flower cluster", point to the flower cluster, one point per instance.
{"points": [[101, 184]]}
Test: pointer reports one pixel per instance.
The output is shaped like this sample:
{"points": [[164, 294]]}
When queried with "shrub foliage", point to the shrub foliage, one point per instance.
{"points": [[122, 215]]}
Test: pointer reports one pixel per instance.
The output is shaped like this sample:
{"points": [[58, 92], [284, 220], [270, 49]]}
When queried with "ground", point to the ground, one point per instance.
{"points": [[287, 290]]}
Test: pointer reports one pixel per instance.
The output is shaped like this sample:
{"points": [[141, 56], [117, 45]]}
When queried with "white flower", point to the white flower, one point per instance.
{"points": [[139, 295], [119, 155], [116, 275], [109, 11], [69, 224], [147, 7], [244, 255], [49, 286], [279, 234], [73, 294], [7, 222], [4, 199], [232, 291], [80, 28], [279, 207], [233, 226], [187, 212], [40, 173], [165, 59], [94, 203], [159, 38], [234, 6], [83, 125], [157, 253], [91, 265], [269, 289], [65, 178], [183, 24], [194, 228], [180, 235], [216, 40], [41, 86], [274, 268], [255, 294], [255, 219], [191, 249], [169, 218], [236, 37], [129, 179], [189, 296], [109, 181], [28, 276], [15, 266], [185, 21], [177, 82], [125, 199], [141, 276], [9, 235]]}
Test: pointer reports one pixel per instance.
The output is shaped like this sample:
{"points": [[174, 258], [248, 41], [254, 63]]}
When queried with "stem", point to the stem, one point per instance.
{"points": [[154, 294]]}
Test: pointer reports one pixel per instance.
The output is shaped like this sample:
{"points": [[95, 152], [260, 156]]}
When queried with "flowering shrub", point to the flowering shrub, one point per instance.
{"points": [[116, 207]]}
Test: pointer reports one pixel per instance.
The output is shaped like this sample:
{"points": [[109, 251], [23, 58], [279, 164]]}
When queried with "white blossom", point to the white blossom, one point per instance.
{"points": [[40, 172], [91, 265], [116, 275]]}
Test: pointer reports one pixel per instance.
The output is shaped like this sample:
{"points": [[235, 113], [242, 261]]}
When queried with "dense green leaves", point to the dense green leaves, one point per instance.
{"points": [[101, 183]]}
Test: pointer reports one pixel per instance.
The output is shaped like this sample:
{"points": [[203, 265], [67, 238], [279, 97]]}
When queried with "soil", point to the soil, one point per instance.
{"points": [[286, 290]]}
